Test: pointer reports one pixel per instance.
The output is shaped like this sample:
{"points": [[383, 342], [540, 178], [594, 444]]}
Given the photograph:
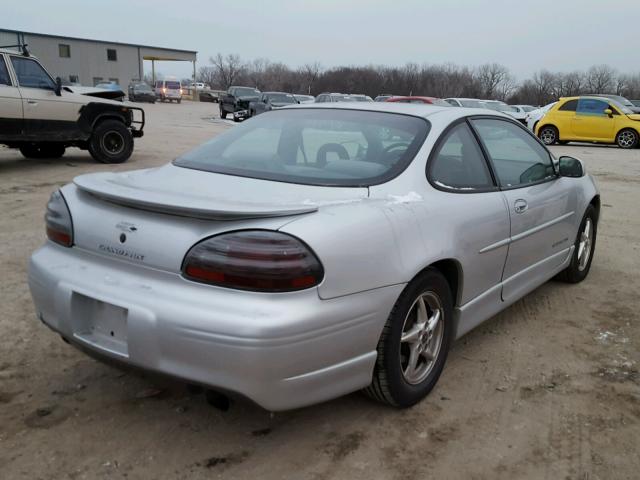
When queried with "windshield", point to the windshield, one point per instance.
{"points": [[314, 147], [246, 92], [623, 108], [472, 103], [142, 87], [281, 98]]}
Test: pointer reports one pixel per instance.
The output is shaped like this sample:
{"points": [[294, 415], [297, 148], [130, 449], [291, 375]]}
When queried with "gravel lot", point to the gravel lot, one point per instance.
{"points": [[548, 389]]}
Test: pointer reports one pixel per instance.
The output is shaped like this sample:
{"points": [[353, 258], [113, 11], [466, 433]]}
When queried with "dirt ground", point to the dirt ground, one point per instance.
{"points": [[549, 389]]}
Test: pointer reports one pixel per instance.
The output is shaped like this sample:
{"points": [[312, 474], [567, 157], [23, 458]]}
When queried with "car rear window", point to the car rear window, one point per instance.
{"points": [[336, 147], [172, 85]]}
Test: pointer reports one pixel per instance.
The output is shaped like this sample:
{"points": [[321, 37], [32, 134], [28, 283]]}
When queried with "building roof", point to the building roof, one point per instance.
{"points": [[96, 41]]}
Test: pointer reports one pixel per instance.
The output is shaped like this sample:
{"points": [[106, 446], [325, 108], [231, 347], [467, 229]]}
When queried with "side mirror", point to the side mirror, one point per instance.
{"points": [[570, 167], [58, 88], [608, 112]]}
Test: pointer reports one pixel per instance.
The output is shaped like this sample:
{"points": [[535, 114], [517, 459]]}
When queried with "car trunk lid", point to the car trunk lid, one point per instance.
{"points": [[153, 217]]}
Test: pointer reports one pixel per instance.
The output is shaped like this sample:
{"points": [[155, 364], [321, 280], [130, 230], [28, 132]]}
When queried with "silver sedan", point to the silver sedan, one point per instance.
{"points": [[315, 250]]}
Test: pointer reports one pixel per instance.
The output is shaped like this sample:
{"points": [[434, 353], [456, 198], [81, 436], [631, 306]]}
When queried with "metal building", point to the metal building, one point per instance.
{"points": [[89, 62]]}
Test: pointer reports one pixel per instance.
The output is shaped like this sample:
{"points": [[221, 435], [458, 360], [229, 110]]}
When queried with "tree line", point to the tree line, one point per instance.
{"points": [[488, 81]]}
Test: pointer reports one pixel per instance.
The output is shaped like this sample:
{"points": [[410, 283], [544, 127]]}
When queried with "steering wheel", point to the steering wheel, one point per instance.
{"points": [[321, 156], [395, 146]]}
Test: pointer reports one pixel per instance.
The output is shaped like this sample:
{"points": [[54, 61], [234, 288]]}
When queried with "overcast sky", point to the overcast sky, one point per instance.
{"points": [[524, 35]]}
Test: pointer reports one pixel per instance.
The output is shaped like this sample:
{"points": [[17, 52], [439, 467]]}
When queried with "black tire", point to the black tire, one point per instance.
{"points": [[578, 269], [43, 150], [223, 113], [627, 138], [111, 142], [548, 134], [179, 100], [389, 384]]}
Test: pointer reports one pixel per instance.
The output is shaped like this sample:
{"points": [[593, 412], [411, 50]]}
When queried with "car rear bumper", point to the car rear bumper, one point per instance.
{"points": [[280, 350]]}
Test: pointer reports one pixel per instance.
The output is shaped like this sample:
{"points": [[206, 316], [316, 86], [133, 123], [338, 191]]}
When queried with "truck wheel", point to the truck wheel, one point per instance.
{"points": [[42, 150], [223, 113], [111, 142], [179, 100]]}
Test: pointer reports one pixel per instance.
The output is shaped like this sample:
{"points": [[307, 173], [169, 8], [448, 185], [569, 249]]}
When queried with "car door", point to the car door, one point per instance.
{"points": [[11, 117], [542, 206], [47, 116], [590, 121], [469, 210]]}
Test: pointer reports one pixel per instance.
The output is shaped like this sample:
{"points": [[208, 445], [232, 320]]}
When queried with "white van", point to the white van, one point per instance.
{"points": [[168, 90]]}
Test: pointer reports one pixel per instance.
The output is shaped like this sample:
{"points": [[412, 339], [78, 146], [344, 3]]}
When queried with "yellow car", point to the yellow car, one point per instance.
{"points": [[589, 119]]}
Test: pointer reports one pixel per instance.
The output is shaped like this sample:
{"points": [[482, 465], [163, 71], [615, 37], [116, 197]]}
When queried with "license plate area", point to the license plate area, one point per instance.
{"points": [[100, 324]]}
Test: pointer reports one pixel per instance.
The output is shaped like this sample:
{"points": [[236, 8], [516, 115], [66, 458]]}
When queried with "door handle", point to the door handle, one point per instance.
{"points": [[32, 102], [520, 206]]}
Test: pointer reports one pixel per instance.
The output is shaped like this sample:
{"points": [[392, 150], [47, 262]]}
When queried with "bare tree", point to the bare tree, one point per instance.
{"points": [[228, 68], [492, 78], [207, 75], [600, 79], [309, 73]]}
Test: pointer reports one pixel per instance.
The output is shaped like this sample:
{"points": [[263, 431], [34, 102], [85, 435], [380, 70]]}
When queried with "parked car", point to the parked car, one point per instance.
{"points": [[141, 92], [533, 117], [332, 97], [636, 103], [520, 112], [315, 251], [41, 117], [590, 119], [305, 98], [466, 102], [620, 99], [271, 101], [423, 100], [383, 97], [209, 96], [199, 85], [236, 102], [358, 97], [168, 90]]}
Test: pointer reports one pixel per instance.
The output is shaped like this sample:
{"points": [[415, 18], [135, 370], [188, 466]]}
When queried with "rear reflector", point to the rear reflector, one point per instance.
{"points": [[258, 260]]}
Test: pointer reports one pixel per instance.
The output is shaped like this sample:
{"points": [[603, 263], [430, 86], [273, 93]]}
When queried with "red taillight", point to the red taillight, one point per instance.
{"points": [[58, 220], [259, 260]]}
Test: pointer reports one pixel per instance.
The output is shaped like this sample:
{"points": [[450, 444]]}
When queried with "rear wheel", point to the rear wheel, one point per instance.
{"points": [[42, 150], [584, 247], [548, 134], [627, 138], [111, 142], [179, 100], [415, 341], [223, 113]]}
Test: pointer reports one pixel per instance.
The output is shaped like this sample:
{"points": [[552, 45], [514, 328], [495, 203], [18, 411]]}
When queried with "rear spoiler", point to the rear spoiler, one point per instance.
{"points": [[107, 187]]}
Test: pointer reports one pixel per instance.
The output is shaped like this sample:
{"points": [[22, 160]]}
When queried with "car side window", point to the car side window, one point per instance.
{"points": [[4, 73], [31, 74], [517, 157], [458, 163], [569, 106], [592, 106], [614, 110]]}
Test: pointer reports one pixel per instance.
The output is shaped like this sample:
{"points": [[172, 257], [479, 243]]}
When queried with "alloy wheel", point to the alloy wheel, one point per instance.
{"points": [[421, 338], [548, 136], [584, 245], [626, 139]]}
